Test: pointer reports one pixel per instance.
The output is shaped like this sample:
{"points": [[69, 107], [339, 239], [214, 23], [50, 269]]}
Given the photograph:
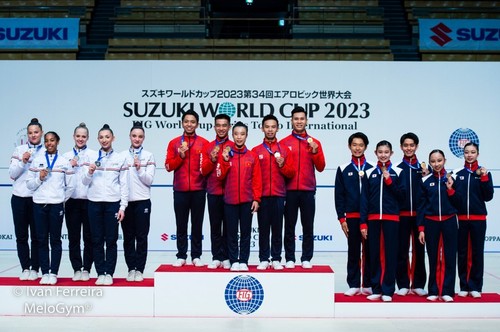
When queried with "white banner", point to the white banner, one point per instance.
{"points": [[442, 103]]}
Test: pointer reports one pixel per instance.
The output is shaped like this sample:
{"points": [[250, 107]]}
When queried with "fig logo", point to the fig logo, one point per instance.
{"points": [[441, 38]]}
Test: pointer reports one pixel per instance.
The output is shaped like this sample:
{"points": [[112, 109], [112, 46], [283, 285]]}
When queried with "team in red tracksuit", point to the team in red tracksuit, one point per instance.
{"points": [[215, 194], [183, 157], [276, 166], [380, 200], [242, 193], [474, 185], [308, 157], [437, 222]]}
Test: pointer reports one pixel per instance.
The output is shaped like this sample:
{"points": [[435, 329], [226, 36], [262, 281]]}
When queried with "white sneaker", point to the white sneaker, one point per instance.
{"points": [[198, 263], [447, 298], [243, 267], [290, 265], [307, 265], [263, 265], [386, 298], [420, 291], [235, 267], [108, 280], [475, 294], [214, 264], [100, 280], [463, 293], [77, 276], [131, 275], [352, 291], [402, 291], [52, 279], [138, 276], [24, 275], [432, 298], [85, 275], [226, 264], [277, 265], [374, 297], [366, 291], [179, 262], [33, 275], [45, 279]]}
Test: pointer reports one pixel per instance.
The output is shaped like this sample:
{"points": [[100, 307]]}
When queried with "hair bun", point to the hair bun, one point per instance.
{"points": [[82, 124]]}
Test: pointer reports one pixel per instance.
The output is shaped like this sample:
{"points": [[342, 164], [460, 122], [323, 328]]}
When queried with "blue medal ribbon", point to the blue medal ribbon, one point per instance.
{"points": [[50, 165]]}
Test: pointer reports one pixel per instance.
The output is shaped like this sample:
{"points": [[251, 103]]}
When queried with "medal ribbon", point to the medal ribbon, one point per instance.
{"points": [[49, 164]]}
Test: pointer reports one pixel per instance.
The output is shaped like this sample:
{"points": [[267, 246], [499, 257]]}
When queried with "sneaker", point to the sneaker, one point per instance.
{"points": [[52, 279], [352, 291], [77, 276], [85, 275], [198, 263], [243, 267], [374, 297], [403, 291], [235, 267], [420, 291], [45, 279], [24, 275], [33, 275], [290, 265], [277, 265], [475, 294], [226, 264], [386, 298], [108, 280], [100, 280], [447, 298], [307, 265], [138, 276], [264, 265], [432, 298], [131, 275], [366, 291], [179, 262], [214, 265], [463, 293]]}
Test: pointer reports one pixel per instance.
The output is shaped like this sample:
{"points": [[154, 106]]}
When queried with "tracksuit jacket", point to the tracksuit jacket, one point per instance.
{"points": [[214, 185]]}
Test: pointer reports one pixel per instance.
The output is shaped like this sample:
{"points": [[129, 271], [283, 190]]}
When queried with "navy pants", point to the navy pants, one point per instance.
{"points": [[135, 227], [218, 236], [441, 240], [186, 202], [383, 242], [358, 257], [49, 220], [270, 219], [238, 216], [77, 219], [410, 275], [305, 202], [471, 234], [104, 230], [25, 229]]}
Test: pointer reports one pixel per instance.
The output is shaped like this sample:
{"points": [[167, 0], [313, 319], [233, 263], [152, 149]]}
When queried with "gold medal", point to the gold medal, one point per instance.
{"points": [[277, 154], [310, 140], [184, 144], [423, 165], [448, 175], [361, 173], [227, 149], [478, 171], [216, 148]]}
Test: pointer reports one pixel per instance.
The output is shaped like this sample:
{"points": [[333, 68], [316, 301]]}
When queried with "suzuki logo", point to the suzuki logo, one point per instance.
{"points": [[441, 32]]}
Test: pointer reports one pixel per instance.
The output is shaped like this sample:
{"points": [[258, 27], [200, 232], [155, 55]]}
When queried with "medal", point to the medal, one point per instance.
{"points": [[361, 173], [31, 151], [227, 149], [423, 165], [478, 171], [216, 148], [97, 163], [277, 154], [184, 144], [310, 140], [448, 175], [48, 169], [76, 158]]}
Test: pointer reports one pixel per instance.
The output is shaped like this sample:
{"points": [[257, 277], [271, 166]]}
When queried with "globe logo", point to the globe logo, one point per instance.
{"points": [[227, 108], [459, 138], [244, 294]]}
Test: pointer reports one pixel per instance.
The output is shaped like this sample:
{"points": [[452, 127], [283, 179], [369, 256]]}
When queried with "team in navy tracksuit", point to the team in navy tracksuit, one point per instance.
{"points": [[474, 185], [437, 222], [410, 275], [380, 200], [348, 187]]}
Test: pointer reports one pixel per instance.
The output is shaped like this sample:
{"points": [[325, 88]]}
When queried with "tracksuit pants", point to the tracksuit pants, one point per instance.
{"points": [[270, 220], [25, 230], [238, 216], [49, 220], [412, 274], [218, 236], [471, 234], [306, 202], [77, 222], [135, 227]]}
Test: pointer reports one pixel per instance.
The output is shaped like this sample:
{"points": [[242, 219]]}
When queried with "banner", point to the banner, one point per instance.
{"points": [[445, 104]]}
